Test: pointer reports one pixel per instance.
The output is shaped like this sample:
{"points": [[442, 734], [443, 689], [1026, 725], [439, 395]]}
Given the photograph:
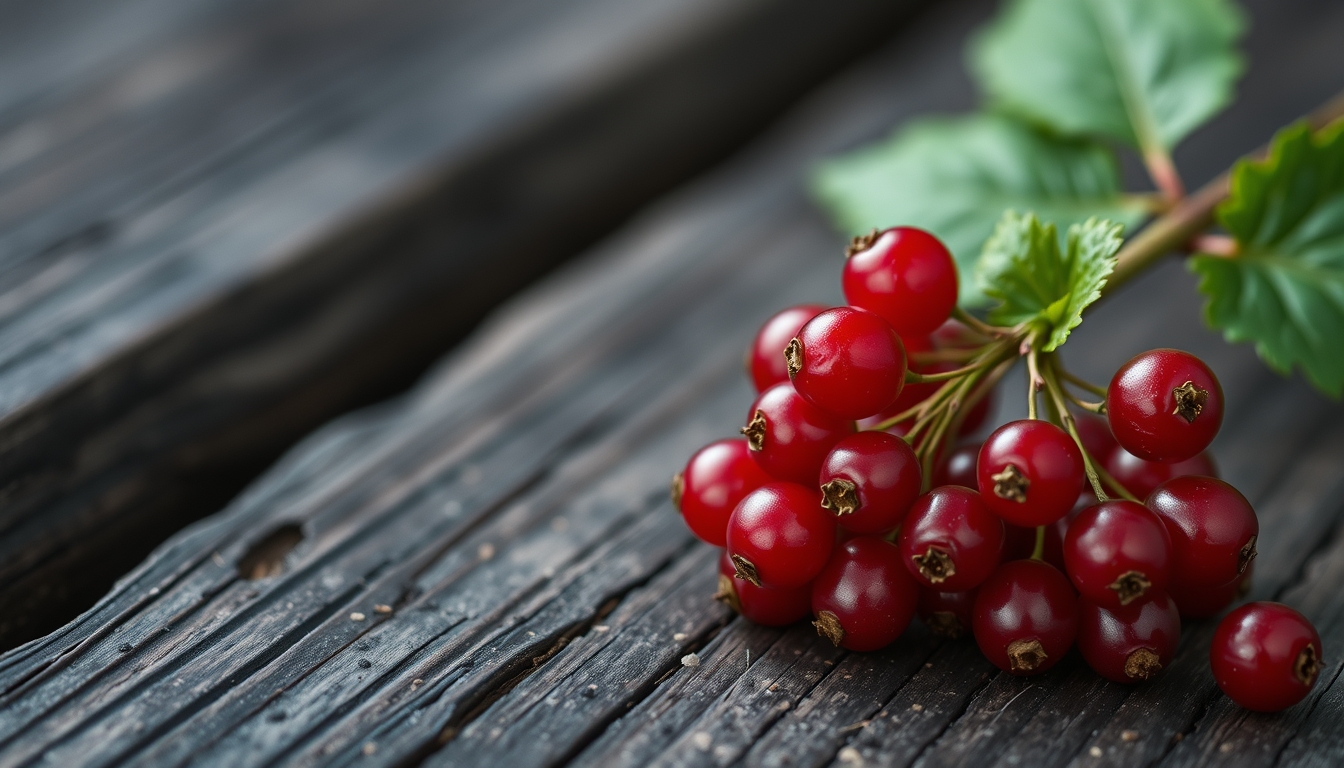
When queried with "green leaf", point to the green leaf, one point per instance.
{"points": [[1284, 289], [1144, 72], [1040, 283], [956, 176]]}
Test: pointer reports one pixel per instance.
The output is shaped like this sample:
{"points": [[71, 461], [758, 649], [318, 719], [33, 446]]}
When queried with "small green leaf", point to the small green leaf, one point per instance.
{"points": [[956, 176], [1040, 283], [1144, 72], [1284, 289]]}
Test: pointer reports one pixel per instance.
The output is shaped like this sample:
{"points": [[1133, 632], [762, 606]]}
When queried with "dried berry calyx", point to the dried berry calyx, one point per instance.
{"points": [[678, 489], [727, 595], [1130, 586], [1142, 664], [840, 496], [945, 624], [755, 431], [1190, 401], [828, 626], [1026, 655], [1011, 484], [744, 570], [1306, 666], [793, 357], [935, 565], [861, 243], [1246, 555]]}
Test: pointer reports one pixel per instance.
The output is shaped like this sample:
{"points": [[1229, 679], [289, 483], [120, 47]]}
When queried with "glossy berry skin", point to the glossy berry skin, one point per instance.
{"points": [[959, 467], [1141, 477], [906, 275], [869, 480], [765, 359], [1116, 551], [1025, 617], [767, 607], [1132, 643], [708, 489], [947, 614], [1164, 405], [1213, 532], [847, 362], [1199, 602], [1030, 472], [1265, 656], [950, 541], [863, 599], [779, 537], [789, 437]]}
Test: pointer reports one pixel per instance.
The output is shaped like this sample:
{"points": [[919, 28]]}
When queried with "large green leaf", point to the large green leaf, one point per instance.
{"points": [[1145, 72], [1284, 289], [956, 176], [1040, 283]]}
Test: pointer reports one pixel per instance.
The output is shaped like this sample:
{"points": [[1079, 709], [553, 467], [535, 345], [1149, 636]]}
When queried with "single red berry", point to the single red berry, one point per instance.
{"points": [[948, 614], [1025, 617], [1164, 405], [847, 362], [789, 437], [1030, 472], [1020, 543], [959, 467], [863, 599], [767, 607], [1199, 602], [1115, 551], [1131, 643], [1266, 656], [714, 480], [779, 536], [950, 540], [765, 359], [904, 274], [869, 480], [1140, 477], [1213, 532]]}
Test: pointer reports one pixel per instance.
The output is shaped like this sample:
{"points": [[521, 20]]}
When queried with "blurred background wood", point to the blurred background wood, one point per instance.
{"points": [[224, 222], [488, 567]]}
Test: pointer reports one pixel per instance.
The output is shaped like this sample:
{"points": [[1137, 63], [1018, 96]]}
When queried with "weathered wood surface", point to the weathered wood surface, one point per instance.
{"points": [[224, 222], [540, 592]]}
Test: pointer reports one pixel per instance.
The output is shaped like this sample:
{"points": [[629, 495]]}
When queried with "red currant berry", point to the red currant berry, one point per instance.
{"points": [[948, 614], [950, 540], [779, 536], [904, 274], [1130, 643], [1025, 617], [1116, 551], [952, 334], [847, 362], [959, 468], [1030, 472], [1141, 477], [765, 360], [767, 607], [1265, 656], [1020, 543], [863, 599], [869, 480], [1213, 532], [715, 479], [789, 437], [1197, 602], [1164, 405]]}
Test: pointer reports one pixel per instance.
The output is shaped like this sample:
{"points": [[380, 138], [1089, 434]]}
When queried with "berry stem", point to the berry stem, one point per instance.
{"points": [[929, 378], [1082, 383], [975, 324], [1163, 172], [1052, 386], [1034, 380], [1038, 552]]}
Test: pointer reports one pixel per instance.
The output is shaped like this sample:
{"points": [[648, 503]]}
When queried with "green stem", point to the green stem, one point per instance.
{"points": [[1038, 553], [1082, 383], [1052, 386]]}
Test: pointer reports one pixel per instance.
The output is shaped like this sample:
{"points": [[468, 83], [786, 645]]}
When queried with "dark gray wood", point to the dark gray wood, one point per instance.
{"points": [[224, 222], [526, 594]]}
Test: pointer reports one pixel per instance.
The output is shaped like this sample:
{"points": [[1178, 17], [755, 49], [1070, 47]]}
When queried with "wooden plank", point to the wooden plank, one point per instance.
{"points": [[511, 513], [227, 222]]}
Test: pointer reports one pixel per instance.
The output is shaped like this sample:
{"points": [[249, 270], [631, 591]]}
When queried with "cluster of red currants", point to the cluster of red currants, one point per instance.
{"points": [[826, 509]]}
